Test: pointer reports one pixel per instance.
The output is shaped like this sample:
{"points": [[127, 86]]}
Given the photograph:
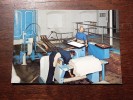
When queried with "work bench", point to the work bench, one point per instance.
{"points": [[94, 77]]}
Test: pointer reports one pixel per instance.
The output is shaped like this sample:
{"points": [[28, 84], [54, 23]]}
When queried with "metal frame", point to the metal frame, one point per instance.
{"points": [[103, 27]]}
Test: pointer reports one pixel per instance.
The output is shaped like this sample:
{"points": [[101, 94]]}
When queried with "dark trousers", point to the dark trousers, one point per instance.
{"points": [[51, 68]]}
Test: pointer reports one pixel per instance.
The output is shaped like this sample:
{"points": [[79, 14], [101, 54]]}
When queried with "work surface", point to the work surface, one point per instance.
{"points": [[76, 44], [36, 92]]}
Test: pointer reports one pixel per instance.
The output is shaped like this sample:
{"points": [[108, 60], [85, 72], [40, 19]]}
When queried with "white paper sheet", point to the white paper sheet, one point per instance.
{"points": [[76, 44]]}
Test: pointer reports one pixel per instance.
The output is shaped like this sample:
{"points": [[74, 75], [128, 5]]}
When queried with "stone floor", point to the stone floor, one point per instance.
{"points": [[112, 78]]}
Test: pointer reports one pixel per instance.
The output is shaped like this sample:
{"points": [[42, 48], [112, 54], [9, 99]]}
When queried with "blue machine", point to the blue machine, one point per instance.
{"points": [[93, 77], [79, 52], [25, 31], [98, 52]]}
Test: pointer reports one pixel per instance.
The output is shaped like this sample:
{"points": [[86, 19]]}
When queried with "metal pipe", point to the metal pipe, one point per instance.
{"points": [[99, 26], [112, 37], [102, 35]]}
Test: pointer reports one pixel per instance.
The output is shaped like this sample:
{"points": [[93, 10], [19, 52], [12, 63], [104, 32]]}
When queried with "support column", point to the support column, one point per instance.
{"points": [[111, 26]]}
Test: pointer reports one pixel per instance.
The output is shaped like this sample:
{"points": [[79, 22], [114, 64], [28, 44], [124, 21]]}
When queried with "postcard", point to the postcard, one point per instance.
{"points": [[66, 47]]}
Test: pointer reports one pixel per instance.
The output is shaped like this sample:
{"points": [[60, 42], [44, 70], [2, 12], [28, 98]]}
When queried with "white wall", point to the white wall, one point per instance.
{"points": [[47, 20], [88, 15]]}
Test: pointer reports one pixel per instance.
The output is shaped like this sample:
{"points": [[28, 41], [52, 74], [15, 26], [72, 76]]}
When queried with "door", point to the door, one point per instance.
{"points": [[24, 21]]}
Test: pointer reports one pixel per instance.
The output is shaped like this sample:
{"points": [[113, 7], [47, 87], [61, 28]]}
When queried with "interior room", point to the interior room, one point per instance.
{"points": [[40, 33]]}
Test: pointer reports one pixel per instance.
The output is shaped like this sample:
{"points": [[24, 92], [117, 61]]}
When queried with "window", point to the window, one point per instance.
{"points": [[102, 14]]}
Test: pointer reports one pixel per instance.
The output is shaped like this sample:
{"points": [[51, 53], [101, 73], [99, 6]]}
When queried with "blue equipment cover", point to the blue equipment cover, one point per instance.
{"points": [[98, 52], [22, 23]]}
